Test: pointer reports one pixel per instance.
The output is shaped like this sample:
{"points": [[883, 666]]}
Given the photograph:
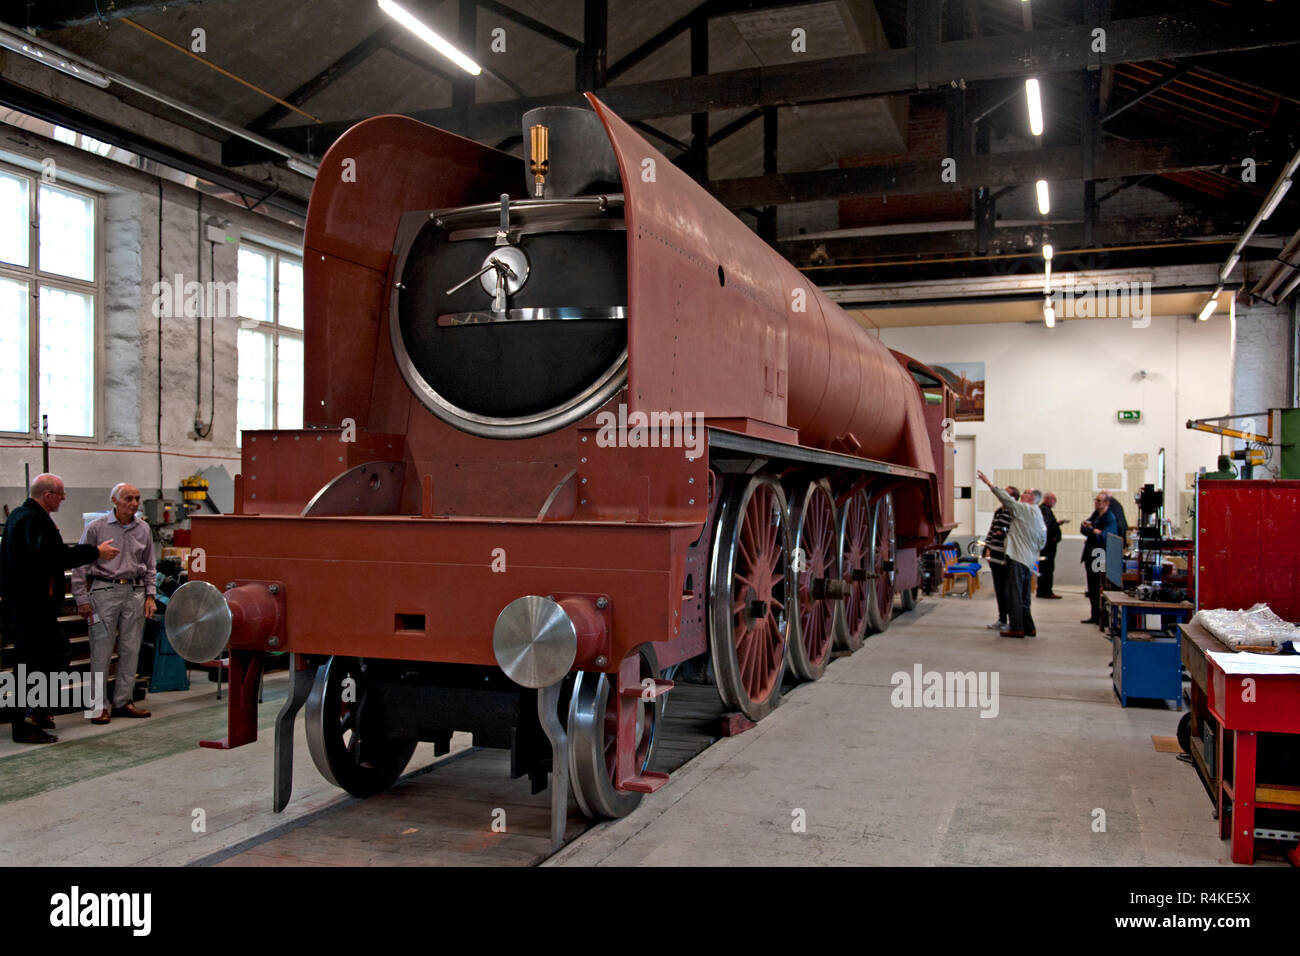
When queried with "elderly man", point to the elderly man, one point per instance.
{"points": [[33, 558], [119, 592], [1102, 522], [1024, 538], [1047, 565]]}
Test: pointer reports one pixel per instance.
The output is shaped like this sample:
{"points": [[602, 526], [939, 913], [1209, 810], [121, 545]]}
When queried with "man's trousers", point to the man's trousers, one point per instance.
{"points": [[1000, 577], [120, 609], [1046, 568], [1019, 592]]}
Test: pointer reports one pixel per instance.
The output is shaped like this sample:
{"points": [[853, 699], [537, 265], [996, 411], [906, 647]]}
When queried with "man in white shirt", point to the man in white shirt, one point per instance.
{"points": [[1025, 538]]}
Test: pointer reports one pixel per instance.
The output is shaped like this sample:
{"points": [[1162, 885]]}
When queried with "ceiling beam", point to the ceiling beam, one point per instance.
{"points": [[528, 23], [1113, 160], [877, 73], [1155, 87], [1009, 240], [336, 70], [96, 126], [58, 14]]}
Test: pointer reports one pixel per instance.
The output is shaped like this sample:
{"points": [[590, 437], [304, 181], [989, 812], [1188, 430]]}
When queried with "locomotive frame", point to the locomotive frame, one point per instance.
{"points": [[534, 590]]}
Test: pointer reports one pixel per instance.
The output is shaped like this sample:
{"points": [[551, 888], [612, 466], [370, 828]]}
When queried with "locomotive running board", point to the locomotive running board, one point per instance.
{"points": [[749, 447]]}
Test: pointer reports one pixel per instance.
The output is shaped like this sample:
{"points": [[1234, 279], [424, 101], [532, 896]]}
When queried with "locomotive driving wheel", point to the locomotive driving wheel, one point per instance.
{"points": [[855, 565], [815, 567], [750, 596], [883, 557], [593, 733], [340, 715]]}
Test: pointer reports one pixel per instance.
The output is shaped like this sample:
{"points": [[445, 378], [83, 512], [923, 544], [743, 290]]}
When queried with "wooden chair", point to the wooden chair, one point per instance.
{"points": [[955, 569]]}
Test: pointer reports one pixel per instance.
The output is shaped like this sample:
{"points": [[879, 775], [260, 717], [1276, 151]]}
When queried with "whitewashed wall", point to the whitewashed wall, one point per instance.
{"points": [[126, 447], [1056, 391]]}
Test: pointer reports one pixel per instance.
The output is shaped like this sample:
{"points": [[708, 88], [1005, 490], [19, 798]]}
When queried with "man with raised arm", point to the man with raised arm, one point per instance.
{"points": [[1025, 538]]}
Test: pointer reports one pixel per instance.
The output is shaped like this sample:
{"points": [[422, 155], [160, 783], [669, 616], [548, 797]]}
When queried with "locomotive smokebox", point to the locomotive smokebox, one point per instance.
{"points": [[510, 317]]}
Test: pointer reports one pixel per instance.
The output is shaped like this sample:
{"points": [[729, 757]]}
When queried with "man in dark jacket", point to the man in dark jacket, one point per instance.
{"points": [[1047, 565], [1102, 522], [33, 558]]}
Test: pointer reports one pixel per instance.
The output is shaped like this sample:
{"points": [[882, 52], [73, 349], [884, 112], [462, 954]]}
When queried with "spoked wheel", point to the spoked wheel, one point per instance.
{"points": [[593, 732], [883, 556], [816, 567], [339, 716], [855, 554], [750, 596]]}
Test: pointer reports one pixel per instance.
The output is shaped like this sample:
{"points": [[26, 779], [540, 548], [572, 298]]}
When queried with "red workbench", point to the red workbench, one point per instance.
{"points": [[1269, 704]]}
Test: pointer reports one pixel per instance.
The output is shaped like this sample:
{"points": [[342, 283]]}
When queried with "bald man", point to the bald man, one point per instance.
{"points": [[33, 558], [119, 594]]}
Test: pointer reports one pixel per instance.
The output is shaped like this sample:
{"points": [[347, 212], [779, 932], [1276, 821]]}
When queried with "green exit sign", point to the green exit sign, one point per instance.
{"points": [[1130, 415]]}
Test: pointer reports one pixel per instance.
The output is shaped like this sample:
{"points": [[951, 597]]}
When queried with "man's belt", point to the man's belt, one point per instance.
{"points": [[95, 577]]}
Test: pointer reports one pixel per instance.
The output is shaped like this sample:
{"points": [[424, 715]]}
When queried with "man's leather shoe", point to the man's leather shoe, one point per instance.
{"points": [[44, 721], [130, 710], [1050, 597], [28, 733], [102, 717], [1012, 633], [1031, 633], [1089, 620]]}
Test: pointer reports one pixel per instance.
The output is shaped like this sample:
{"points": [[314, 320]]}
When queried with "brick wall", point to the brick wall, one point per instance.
{"points": [[927, 138]]}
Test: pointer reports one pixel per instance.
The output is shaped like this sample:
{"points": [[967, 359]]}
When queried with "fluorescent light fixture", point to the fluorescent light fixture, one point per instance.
{"points": [[1209, 308], [1047, 251], [1275, 199], [55, 61], [408, 20], [303, 169], [1049, 314], [1229, 266], [1034, 98], [1047, 277], [1232, 307], [1044, 201]]}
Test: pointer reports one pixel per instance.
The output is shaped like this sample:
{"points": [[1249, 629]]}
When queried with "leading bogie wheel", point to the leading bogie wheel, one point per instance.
{"points": [[340, 716], [883, 558], [816, 567], [751, 596], [593, 743], [854, 545]]}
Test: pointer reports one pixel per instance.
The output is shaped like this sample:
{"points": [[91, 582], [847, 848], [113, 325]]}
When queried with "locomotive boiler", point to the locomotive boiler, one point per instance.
{"points": [[569, 428]]}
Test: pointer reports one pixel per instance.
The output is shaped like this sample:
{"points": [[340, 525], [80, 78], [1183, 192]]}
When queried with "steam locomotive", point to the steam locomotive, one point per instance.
{"points": [[566, 431]]}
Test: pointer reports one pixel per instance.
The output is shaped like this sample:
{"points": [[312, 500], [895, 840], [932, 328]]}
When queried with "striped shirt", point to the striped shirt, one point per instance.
{"points": [[996, 539]]}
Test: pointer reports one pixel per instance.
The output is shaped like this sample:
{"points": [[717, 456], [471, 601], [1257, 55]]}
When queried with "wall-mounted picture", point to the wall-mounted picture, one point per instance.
{"points": [[967, 380]]}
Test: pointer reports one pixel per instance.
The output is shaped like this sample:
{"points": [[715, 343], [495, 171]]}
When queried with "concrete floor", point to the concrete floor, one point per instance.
{"points": [[876, 784], [880, 785]]}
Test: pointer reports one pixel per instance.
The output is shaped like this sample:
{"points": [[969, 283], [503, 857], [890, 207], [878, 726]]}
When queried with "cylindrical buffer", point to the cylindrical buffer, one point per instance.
{"points": [[254, 615]]}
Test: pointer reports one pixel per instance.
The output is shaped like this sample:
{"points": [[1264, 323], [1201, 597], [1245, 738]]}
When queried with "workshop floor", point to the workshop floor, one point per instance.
{"points": [[872, 783], [1061, 776]]}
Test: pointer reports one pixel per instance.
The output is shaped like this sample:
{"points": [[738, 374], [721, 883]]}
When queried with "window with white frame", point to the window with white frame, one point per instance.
{"points": [[49, 296], [270, 338]]}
